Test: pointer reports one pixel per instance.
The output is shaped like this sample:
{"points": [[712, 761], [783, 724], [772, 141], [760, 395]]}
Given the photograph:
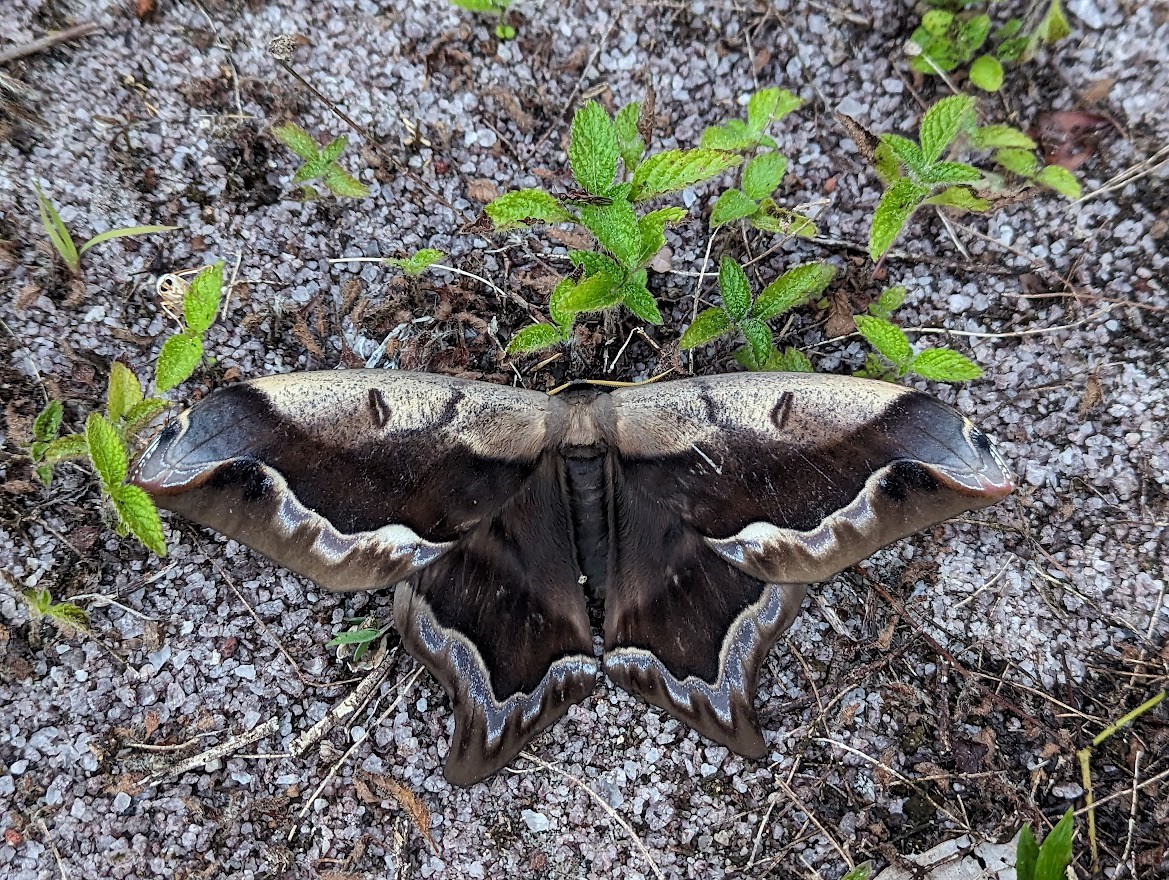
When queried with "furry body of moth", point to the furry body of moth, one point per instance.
{"points": [[702, 507]]}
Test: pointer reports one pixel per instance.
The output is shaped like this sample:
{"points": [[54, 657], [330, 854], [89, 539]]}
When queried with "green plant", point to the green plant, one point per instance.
{"points": [[1049, 861], [62, 240], [320, 163], [894, 356], [860, 872], [360, 637], [615, 274], [917, 174], [491, 7], [752, 200], [67, 617], [746, 315], [107, 438], [417, 263], [951, 35]]}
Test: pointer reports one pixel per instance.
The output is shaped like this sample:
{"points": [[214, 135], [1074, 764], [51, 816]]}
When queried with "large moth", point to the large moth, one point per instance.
{"points": [[701, 509]]}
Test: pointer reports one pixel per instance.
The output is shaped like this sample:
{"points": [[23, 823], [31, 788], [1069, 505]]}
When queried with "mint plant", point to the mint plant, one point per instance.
{"points": [[1049, 861], [63, 242], [744, 315], [107, 438], [893, 355], [607, 206], [67, 617], [951, 35], [320, 163], [499, 8], [917, 174], [753, 199]]}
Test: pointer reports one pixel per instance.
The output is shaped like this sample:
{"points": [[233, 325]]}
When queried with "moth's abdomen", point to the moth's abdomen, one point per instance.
{"points": [[588, 483]]}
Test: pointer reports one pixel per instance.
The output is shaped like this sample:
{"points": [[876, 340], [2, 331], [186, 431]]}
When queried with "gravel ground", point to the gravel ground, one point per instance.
{"points": [[1009, 637]]}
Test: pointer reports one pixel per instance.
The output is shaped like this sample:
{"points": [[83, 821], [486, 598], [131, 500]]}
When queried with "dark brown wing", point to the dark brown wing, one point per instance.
{"points": [[361, 478], [735, 491]]}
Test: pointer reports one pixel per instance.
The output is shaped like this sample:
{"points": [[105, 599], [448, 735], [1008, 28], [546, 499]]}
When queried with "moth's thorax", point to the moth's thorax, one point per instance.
{"points": [[587, 422]]}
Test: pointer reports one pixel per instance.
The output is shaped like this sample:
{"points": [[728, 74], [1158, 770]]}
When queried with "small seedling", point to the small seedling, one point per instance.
{"points": [[616, 273], [499, 8], [63, 242], [69, 619], [107, 437], [359, 638], [860, 872], [417, 263], [916, 174], [746, 315], [320, 163], [951, 36], [894, 356], [752, 200], [1049, 861]]}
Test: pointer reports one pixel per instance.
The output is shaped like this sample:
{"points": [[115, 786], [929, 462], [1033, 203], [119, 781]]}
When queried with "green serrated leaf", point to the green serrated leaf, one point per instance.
{"points": [[790, 360], [47, 424], [296, 139], [732, 205], [941, 125], [564, 319], [592, 263], [708, 326], [106, 450], [142, 412], [735, 289], [758, 337], [1059, 179], [1021, 162], [886, 164], [768, 105], [333, 149], [952, 172], [418, 262], [893, 211], [636, 297], [178, 359], [889, 301], [1055, 853], [732, 135], [124, 392], [988, 137], [522, 207], [69, 618], [763, 174], [887, 338], [137, 511], [652, 228], [960, 198], [201, 302], [58, 233], [593, 294], [746, 358], [674, 170], [592, 151], [794, 288], [50, 454], [971, 34], [937, 23], [630, 146], [615, 226], [906, 151], [944, 365], [341, 183], [1026, 853], [987, 73]]}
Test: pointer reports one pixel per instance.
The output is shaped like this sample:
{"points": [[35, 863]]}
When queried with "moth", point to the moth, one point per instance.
{"points": [[699, 508]]}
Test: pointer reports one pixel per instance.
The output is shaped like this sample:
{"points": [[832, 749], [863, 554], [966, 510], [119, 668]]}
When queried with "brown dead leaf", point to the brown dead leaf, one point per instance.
{"points": [[512, 107], [13, 838], [151, 723], [840, 322], [1097, 90], [866, 142], [408, 801], [885, 638], [645, 119], [1069, 137], [570, 238], [1093, 393], [482, 189]]}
